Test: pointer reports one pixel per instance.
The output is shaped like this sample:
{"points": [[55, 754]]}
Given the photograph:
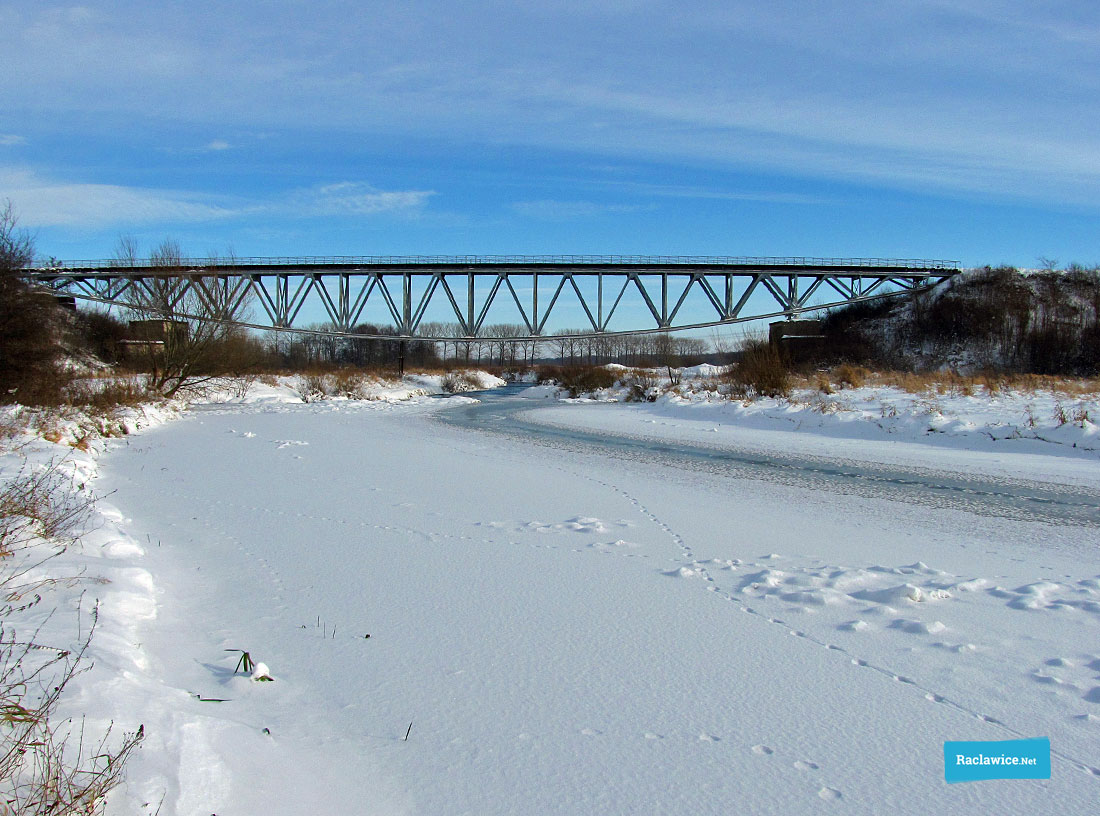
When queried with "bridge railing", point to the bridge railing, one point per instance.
{"points": [[489, 260]]}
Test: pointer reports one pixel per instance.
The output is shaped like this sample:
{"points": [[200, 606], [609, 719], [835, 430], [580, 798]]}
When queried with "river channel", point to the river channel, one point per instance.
{"points": [[506, 412]]}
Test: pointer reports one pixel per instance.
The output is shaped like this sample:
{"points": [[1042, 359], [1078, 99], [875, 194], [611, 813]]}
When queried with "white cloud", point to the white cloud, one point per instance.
{"points": [[552, 210], [44, 202], [218, 144], [352, 198], [10, 140]]}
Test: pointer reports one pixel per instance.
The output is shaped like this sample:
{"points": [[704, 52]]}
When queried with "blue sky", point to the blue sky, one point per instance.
{"points": [[963, 130]]}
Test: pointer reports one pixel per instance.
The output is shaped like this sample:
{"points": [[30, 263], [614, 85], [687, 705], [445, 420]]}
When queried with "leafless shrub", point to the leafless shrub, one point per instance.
{"points": [[311, 387], [239, 386], [458, 381], [578, 379], [761, 371], [643, 383], [101, 333], [344, 382]]}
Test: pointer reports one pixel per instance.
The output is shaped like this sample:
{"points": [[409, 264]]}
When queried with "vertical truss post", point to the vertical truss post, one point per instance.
{"points": [[470, 304], [282, 300], [664, 300], [535, 302], [599, 301], [345, 301], [792, 296], [406, 307]]}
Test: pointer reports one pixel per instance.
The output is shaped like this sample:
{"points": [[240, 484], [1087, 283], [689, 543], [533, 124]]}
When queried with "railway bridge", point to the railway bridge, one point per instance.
{"points": [[605, 294]]}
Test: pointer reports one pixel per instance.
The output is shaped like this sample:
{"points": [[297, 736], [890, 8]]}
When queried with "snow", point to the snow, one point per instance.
{"points": [[557, 632], [289, 389], [1039, 435]]}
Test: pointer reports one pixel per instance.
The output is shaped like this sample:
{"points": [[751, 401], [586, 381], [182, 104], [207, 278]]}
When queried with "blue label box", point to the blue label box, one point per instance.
{"points": [[1003, 759]]}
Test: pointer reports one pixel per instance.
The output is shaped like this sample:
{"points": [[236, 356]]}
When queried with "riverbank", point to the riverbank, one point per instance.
{"points": [[937, 417]]}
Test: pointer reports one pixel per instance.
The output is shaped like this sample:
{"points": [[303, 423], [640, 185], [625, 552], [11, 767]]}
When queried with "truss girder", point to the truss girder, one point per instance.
{"points": [[658, 290]]}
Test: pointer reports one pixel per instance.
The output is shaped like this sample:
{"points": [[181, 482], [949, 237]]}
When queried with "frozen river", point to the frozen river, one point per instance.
{"points": [[506, 413], [576, 625]]}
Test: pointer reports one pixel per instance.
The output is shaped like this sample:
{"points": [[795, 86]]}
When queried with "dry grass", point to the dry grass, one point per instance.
{"points": [[943, 383], [45, 768], [761, 371], [851, 376], [108, 393], [43, 505], [11, 426]]}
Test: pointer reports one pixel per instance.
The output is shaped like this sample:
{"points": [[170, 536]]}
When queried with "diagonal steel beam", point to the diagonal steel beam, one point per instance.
{"points": [[615, 305], [591, 320], [488, 302], [522, 313], [454, 304]]}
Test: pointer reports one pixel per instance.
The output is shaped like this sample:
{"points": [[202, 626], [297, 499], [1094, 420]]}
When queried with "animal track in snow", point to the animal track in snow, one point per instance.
{"points": [[880, 591], [288, 443], [577, 524]]}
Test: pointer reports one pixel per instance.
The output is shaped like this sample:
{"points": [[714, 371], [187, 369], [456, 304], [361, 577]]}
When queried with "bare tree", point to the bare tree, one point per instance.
{"points": [[30, 324], [16, 244], [126, 251], [186, 318]]}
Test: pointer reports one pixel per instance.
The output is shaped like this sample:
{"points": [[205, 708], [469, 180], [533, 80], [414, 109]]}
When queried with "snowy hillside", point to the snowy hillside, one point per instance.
{"points": [[1045, 322]]}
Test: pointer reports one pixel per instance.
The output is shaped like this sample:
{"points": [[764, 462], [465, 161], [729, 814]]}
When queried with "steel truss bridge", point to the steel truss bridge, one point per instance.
{"points": [[466, 288]]}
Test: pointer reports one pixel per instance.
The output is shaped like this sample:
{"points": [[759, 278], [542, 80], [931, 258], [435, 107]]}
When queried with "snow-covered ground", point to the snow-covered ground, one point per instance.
{"points": [[570, 634]]}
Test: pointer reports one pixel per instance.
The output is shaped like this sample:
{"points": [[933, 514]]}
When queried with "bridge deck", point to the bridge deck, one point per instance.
{"points": [[578, 264]]}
